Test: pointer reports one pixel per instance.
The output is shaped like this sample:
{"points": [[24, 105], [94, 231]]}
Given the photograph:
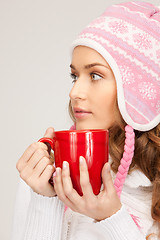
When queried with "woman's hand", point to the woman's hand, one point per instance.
{"points": [[98, 207], [36, 167]]}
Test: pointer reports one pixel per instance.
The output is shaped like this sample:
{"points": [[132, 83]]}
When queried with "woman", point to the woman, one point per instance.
{"points": [[115, 69]]}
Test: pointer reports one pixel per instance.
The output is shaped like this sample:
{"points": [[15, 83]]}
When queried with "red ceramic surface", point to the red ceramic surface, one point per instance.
{"points": [[71, 144]]}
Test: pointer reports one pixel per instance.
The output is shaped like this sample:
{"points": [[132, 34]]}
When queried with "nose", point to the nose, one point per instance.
{"points": [[79, 90]]}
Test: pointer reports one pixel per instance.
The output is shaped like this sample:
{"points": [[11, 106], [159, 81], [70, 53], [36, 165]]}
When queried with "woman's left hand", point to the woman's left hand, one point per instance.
{"points": [[98, 207]]}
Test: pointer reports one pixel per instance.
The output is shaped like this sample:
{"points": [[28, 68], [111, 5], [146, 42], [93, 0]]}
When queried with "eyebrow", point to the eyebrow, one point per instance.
{"points": [[90, 66]]}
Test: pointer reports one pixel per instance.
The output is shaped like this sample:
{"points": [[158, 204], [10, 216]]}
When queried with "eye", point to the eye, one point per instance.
{"points": [[73, 76], [95, 76]]}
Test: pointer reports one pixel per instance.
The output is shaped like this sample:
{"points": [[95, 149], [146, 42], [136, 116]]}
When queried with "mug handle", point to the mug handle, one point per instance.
{"points": [[51, 145], [48, 140]]}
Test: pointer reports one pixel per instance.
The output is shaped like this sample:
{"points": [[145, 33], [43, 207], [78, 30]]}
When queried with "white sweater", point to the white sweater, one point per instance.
{"points": [[42, 218]]}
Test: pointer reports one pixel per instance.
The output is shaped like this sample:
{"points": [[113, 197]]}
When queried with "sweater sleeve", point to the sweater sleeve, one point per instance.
{"points": [[120, 226], [44, 218], [22, 201]]}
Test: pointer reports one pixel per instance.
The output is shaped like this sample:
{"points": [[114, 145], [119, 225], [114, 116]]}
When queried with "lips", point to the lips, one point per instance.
{"points": [[80, 110], [80, 113]]}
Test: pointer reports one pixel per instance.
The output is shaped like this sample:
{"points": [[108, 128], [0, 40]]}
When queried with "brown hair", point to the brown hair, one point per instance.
{"points": [[146, 155]]}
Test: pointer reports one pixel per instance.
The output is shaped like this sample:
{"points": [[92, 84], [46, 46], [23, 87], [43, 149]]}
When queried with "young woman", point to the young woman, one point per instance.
{"points": [[115, 68]]}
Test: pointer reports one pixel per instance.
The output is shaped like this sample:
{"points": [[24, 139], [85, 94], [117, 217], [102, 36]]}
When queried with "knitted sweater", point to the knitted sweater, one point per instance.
{"points": [[43, 218]]}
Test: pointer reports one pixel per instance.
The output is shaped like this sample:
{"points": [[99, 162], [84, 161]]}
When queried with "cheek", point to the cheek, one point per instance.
{"points": [[107, 99]]}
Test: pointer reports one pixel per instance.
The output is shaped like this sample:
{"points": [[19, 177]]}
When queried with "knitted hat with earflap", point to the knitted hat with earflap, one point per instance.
{"points": [[127, 35]]}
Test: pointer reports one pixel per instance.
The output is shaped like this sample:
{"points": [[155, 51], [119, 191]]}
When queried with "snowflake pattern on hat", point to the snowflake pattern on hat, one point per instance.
{"points": [[147, 90], [142, 41], [158, 54], [118, 26], [128, 76]]}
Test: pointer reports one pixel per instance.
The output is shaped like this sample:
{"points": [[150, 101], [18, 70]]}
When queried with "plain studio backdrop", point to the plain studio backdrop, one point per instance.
{"points": [[35, 37]]}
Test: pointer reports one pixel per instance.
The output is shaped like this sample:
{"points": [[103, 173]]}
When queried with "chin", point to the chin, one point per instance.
{"points": [[85, 126]]}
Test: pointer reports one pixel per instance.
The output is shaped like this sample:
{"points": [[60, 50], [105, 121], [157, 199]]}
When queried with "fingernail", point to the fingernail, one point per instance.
{"points": [[50, 166], [53, 178], [57, 171], [54, 164], [81, 160], [64, 165], [54, 174], [108, 167]]}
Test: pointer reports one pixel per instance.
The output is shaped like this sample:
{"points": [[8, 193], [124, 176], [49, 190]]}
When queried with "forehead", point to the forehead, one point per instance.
{"points": [[87, 55]]}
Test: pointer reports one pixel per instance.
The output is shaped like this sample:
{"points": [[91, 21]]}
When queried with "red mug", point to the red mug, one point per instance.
{"points": [[69, 145]]}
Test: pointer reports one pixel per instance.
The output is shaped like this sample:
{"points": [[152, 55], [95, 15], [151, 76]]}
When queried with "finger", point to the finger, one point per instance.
{"points": [[26, 173], [37, 156], [34, 159], [42, 185], [107, 178], [49, 133], [40, 167], [58, 186], [47, 173], [29, 169], [69, 191], [84, 179], [58, 183], [28, 154]]}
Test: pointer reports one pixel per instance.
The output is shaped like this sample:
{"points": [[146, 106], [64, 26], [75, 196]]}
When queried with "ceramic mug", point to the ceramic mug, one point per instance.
{"points": [[69, 145]]}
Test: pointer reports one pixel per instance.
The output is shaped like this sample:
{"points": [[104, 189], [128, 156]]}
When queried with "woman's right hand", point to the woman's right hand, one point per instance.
{"points": [[36, 167]]}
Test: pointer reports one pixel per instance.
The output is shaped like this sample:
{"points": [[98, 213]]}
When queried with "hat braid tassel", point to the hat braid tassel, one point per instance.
{"points": [[126, 159]]}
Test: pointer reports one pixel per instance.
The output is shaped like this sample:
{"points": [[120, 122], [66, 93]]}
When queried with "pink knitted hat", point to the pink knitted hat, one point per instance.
{"points": [[127, 35]]}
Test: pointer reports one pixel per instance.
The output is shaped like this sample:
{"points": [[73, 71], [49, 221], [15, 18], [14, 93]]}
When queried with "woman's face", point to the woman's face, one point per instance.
{"points": [[93, 95]]}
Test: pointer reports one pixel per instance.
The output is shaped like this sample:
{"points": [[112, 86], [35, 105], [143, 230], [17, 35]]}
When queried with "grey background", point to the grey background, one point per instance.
{"points": [[35, 36]]}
